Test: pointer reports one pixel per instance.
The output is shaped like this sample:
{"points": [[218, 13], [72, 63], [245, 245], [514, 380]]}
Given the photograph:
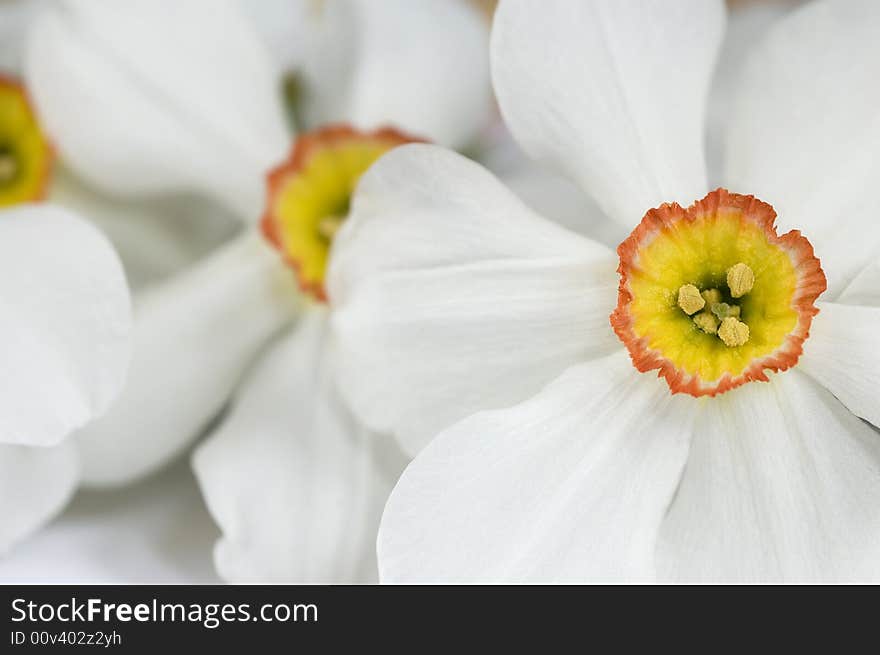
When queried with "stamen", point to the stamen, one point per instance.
{"points": [[733, 332], [329, 225], [740, 280], [8, 167], [690, 300], [707, 322]]}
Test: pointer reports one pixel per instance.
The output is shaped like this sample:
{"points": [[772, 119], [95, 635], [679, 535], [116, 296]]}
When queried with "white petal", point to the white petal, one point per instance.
{"points": [[562, 201], [804, 131], [452, 297], [747, 24], [570, 486], [154, 237], [422, 67], [842, 355], [865, 287], [611, 93], [285, 26], [65, 322], [35, 484], [546, 192], [158, 532], [782, 485], [194, 336], [15, 16], [158, 95], [296, 484]]}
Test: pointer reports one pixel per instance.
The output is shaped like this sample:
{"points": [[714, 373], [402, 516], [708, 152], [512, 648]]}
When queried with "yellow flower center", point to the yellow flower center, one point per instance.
{"points": [[712, 297], [712, 315], [25, 155], [309, 194]]}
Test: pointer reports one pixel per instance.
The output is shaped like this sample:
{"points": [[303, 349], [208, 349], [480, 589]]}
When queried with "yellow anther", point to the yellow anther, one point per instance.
{"points": [[8, 167], [733, 332], [740, 280], [690, 300], [707, 322], [329, 225], [711, 296]]}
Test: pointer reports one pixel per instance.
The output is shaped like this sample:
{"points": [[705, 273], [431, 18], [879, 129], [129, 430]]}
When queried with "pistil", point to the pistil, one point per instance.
{"points": [[722, 310]]}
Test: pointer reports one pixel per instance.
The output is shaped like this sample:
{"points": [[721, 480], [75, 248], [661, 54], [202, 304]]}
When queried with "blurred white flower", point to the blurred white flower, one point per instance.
{"points": [[65, 318], [599, 473], [155, 236], [141, 97], [154, 532], [38, 482]]}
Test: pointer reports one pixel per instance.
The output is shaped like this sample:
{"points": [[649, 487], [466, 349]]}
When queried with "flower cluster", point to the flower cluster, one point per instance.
{"points": [[406, 332]]}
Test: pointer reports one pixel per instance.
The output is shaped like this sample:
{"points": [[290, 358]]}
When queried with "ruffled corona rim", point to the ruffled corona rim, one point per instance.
{"points": [[673, 245], [21, 136], [314, 183]]}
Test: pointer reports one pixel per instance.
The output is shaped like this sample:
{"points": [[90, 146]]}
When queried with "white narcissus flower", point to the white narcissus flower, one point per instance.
{"points": [[38, 482], [144, 96], [563, 462], [154, 532], [154, 237], [65, 318]]}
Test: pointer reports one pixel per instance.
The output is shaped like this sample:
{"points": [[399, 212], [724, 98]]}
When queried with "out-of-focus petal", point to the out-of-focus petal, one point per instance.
{"points": [[156, 532], [296, 484], [158, 95], [65, 322], [154, 237], [287, 27], [194, 336], [420, 66], [15, 16], [613, 94], [35, 484]]}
